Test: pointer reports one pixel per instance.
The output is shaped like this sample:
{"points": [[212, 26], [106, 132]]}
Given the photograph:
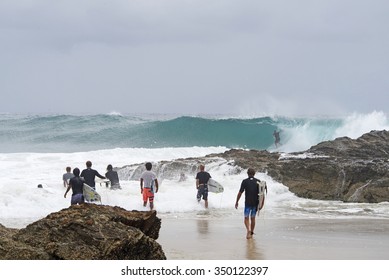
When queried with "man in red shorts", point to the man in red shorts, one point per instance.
{"points": [[148, 185]]}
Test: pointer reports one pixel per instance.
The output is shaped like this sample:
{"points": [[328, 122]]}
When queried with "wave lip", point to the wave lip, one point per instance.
{"points": [[73, 133]]}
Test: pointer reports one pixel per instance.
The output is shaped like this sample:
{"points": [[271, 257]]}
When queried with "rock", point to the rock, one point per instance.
{"points": [[372, 145], [89, 232], [343, 169], [14, 250]]}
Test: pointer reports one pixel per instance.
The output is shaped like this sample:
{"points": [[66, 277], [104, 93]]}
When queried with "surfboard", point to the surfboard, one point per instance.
{"points": [[214, 186], [90, 195], [262, 188]]}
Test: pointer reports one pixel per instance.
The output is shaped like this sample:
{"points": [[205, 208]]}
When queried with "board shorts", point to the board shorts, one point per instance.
{"points": [[250, 211], [148, 194], [77, 199], [202, 191]]}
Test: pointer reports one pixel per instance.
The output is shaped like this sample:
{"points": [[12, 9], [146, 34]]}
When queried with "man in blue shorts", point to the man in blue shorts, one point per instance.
{"points": [[251, 188]]}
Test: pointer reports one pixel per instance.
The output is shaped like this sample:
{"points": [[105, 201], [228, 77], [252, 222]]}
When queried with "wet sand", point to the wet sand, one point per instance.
{"points": [[275, 239]]}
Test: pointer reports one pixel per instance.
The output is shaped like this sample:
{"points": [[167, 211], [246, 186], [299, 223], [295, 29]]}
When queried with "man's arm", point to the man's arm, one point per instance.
{"points": [[67, 190], [237, 200], [141, 185], [241, 190], [156, 185], [100, 176]]}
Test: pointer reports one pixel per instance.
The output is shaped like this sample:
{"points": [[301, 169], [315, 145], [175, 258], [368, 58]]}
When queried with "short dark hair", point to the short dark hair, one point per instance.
{"points": [[148, 166], [68, 169], [109, 167], [76, 172], [88, 163], [251, 172]]}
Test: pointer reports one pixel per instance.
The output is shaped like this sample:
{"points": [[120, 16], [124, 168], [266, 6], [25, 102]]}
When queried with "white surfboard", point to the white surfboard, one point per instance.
{"points": [[214, 186], [90, 195], [261, 195]]}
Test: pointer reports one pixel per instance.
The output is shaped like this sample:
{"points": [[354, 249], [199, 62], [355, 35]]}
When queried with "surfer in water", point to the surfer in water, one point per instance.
{"points": [[89, 175], [113, 177], [202, 178], [277, 139], [251, 188], [67, 176], [76, 184], [148, 185]]}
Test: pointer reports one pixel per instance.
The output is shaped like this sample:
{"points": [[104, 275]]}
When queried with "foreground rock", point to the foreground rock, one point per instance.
{"points": [[89, 232]]}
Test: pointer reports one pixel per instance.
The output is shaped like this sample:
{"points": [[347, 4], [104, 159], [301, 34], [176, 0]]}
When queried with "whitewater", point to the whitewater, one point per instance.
{"points": [[35, 149]]}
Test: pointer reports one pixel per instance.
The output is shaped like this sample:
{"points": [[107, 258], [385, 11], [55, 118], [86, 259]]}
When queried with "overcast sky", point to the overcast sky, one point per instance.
{"points": [[241, 57]]}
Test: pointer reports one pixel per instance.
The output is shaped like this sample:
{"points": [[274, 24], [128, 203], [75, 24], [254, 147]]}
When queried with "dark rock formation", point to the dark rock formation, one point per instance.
{"points": [[89, 232], [350, 170], [343, 169]]}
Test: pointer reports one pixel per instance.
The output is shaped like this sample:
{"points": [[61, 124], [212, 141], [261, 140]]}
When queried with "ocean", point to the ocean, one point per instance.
{"points": [[35, 149]]}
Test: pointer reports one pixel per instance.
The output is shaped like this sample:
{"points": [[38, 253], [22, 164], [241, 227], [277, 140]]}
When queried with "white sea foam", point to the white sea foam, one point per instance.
{"points": [[21, 202], [299, 136], [299, 156], [357, 124]]}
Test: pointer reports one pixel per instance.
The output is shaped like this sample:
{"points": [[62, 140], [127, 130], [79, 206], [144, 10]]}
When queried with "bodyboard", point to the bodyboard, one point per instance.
{"points": [[214, 186], [261, 195], [90, 195]]}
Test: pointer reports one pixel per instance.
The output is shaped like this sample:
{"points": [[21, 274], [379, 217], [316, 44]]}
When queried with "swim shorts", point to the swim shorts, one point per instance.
{"points": [[77, 199], [148, 194], [202, 191], [250, 211]]}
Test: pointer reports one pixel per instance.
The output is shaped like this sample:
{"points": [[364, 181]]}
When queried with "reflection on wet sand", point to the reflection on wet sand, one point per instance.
{"points": [[203, 226], [253, 250]]}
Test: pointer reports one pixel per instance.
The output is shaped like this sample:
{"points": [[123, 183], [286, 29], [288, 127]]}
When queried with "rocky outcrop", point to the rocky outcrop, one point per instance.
{"points": [[350, 170], [89, 232], [345, 169]]}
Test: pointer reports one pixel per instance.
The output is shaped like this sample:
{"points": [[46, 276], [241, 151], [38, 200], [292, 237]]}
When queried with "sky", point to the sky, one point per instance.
{"points": [[241, 57]]}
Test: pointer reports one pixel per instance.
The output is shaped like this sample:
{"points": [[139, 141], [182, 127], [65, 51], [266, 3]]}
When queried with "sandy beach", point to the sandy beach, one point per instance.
{"points": [[275, 239]]}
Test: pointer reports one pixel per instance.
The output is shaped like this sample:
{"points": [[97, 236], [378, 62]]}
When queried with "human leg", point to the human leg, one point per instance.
{"points": [[145, 197], [200, 191], [151, 199], [253, 213], [252, 224], [247, 221], [247, 225], [205, 197]]}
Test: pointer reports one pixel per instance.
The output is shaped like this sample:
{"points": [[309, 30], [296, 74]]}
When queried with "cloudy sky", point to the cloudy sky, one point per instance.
{"points": [[242, 57]]}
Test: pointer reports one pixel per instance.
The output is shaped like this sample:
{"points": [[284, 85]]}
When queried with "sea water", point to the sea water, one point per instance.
{"points": [[35, 149]]}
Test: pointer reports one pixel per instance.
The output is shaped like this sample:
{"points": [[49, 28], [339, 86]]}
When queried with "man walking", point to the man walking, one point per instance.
{"points": [[250, 187]]}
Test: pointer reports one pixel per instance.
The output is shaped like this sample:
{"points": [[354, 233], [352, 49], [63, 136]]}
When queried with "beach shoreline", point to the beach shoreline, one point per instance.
{"points": [[275, 239]]}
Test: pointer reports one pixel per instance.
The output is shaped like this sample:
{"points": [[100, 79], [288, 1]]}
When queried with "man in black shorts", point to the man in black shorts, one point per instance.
{"points": [[202, 178]]}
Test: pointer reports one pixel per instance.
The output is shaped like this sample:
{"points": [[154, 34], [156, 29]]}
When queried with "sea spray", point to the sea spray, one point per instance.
{"points": [[36, 149]]}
